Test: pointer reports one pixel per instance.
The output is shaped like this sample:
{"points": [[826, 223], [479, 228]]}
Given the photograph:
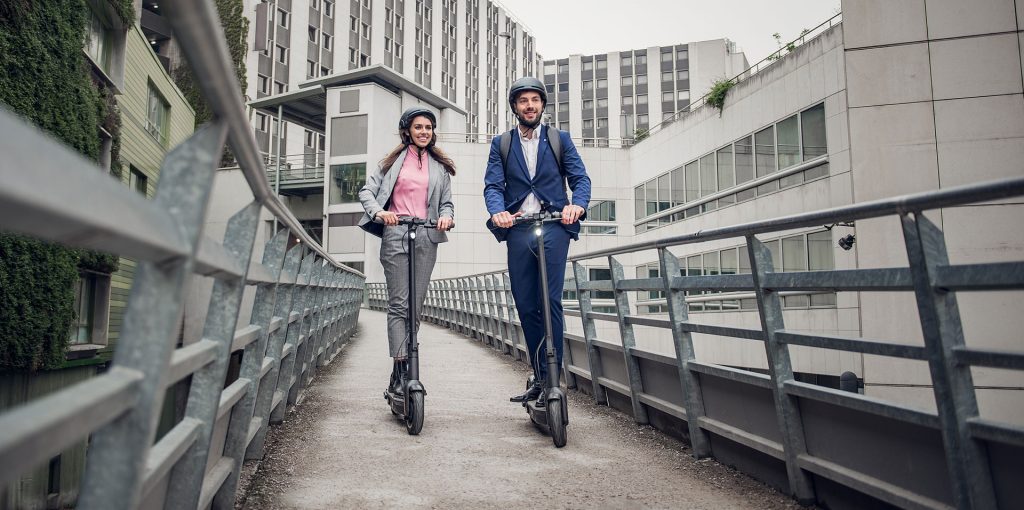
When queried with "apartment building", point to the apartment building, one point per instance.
{"points": [[465, 51], [614, 98]]}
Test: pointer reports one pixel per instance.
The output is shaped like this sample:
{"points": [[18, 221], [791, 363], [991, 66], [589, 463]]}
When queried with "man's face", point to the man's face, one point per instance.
{"points": [[529, 106]]}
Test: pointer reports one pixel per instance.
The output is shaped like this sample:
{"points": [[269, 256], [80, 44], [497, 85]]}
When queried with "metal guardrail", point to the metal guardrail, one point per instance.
{"points": [[295, 169], [898, 454], [306, 305]]}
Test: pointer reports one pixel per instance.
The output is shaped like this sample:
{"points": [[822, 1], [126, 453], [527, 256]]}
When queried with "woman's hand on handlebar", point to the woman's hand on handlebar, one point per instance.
{"points": [[504, 219], [571, 214], [444, 223], [387, 218]]}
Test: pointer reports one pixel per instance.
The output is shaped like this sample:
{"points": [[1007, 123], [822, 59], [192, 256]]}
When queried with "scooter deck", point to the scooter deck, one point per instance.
{"points": [[397, 403], [538, 415]]}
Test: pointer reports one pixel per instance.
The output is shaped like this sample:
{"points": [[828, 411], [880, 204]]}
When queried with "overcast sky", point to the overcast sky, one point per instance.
{"points": [[587, 27]]}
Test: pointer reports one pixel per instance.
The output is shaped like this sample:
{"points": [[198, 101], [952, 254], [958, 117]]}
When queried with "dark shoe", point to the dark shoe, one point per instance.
{"points": [[531, 394], [397, 380]]}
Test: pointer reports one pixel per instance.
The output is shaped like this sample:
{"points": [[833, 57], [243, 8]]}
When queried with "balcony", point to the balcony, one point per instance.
{"points": [[297, 174]]}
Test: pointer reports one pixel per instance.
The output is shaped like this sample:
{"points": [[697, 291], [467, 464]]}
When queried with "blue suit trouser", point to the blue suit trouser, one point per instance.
{"points": [[524, 274]]}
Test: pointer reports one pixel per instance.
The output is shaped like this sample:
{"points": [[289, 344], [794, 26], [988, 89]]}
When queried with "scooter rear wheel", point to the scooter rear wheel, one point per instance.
{"points": [[414, 414], [556, 422]]}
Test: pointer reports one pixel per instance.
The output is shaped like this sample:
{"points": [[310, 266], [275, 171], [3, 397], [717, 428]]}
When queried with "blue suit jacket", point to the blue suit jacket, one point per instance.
{"points": [[506, 190]]}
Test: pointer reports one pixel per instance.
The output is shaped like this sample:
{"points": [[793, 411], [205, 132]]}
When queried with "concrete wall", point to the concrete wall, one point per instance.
{"points": [[935, 100]]}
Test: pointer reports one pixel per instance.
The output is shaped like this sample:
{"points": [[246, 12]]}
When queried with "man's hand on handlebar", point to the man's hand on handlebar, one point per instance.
{"points": [[444, 223], [504, 219], [388, 218], [571, 214]]}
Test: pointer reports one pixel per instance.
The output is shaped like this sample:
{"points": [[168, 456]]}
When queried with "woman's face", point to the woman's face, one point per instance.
{"points": [[421, 130]]}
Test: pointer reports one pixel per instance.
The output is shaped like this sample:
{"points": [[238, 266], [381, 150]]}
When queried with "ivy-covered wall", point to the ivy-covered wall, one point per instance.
{"points": [[236, 30], [44, 77]]}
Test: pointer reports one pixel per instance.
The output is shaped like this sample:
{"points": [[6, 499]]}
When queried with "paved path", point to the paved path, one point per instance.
{"points": [[341, 447]]}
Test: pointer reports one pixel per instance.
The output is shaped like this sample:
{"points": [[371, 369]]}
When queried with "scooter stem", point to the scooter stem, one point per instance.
{"points": [[414, 357], [549, 342]]}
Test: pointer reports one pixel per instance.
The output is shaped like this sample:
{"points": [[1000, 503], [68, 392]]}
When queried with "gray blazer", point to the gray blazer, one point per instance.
{"points": [[376, 194]]}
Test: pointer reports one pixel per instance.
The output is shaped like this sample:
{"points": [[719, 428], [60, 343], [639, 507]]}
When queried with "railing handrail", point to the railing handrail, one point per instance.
{"points": [[196, 24], [914, 202]]}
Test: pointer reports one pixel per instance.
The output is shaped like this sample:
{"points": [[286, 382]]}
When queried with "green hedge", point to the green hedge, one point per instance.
{"points": [[44, 77]]}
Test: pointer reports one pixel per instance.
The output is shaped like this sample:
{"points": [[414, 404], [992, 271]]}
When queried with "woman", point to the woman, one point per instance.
{"points": [[414, 179]]}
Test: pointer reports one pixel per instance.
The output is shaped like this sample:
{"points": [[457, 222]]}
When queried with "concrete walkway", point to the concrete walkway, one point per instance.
{"points": [[342, 448]]}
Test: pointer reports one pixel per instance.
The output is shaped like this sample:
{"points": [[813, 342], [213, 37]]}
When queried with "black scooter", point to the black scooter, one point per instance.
{"points": [[408, 405], [553, 417]]}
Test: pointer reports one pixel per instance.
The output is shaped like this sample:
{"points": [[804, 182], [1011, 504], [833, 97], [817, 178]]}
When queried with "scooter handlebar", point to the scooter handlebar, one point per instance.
{"points": [[541, 217], [413, 221]]}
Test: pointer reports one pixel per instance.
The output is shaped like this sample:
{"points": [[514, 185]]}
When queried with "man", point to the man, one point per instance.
{"points": [[529, 179]]}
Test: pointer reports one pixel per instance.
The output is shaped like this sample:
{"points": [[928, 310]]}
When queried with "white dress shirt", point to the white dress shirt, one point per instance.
{"points": [[531, 145]]}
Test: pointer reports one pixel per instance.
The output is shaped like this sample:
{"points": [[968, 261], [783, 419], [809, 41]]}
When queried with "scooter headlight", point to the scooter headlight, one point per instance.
{"points": [[537, 231]]}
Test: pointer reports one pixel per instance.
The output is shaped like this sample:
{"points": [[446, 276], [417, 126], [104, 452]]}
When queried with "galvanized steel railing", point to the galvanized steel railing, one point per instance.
{"points": [[964, 460], [306, 305]]}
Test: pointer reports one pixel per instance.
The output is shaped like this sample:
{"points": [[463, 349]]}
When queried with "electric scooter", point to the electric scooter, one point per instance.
{"points": [[408, 405], [553, 417]]}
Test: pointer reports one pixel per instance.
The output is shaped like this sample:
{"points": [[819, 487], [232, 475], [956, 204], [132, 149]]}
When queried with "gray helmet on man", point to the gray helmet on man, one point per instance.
{"points": [[522, 85], [405, 121]]}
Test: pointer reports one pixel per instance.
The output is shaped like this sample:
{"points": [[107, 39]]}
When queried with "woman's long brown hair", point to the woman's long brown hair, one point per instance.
{"points": [[432, 149]]}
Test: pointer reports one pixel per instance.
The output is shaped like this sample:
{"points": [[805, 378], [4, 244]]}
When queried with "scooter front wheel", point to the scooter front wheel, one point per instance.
{"points": [[556, 422], [414, 414]]}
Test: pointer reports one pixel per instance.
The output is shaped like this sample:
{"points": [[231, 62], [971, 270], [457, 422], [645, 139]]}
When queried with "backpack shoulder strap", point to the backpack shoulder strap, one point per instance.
{"points": [[505, 144], [555, 140]]}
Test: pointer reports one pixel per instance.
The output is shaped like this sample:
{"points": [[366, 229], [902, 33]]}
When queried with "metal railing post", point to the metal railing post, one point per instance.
{"points": [[268, 382], [241, 421], [678, 313], [186, 477], [636, 385], [118, 452], [967, 460], [589, 332], [780, 369], [513, 315]]}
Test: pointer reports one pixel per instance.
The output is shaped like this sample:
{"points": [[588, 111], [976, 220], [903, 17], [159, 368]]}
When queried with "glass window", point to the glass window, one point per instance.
{"points": [[638, 201], [346, 180], [711, 263], [588, 65], [602, 83], [666, 56], [588, 104], [773, 248], [97, 43], [683, 95], [85, 297], [730, 263], [642, 121], [692, 181], [563, 87], [652, 197], [588, 85], [726, 177], [678, 191], [626, 81], [641, 59], [563, 107], [708, 177], [588, 123], [744, 160], [138, 181], [641, 99], [794, 254], [156, 120], [812, 126], [819, 250], [627, 60], [667, 97], [602, 64], [602, 210], [641, 79], [788, 142], [549, 68], [744, 256], [664, 192], [601, 274], [683, 75], [627, 100], [666, 76], [602, 103], [764, 142], [602, 122]]}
